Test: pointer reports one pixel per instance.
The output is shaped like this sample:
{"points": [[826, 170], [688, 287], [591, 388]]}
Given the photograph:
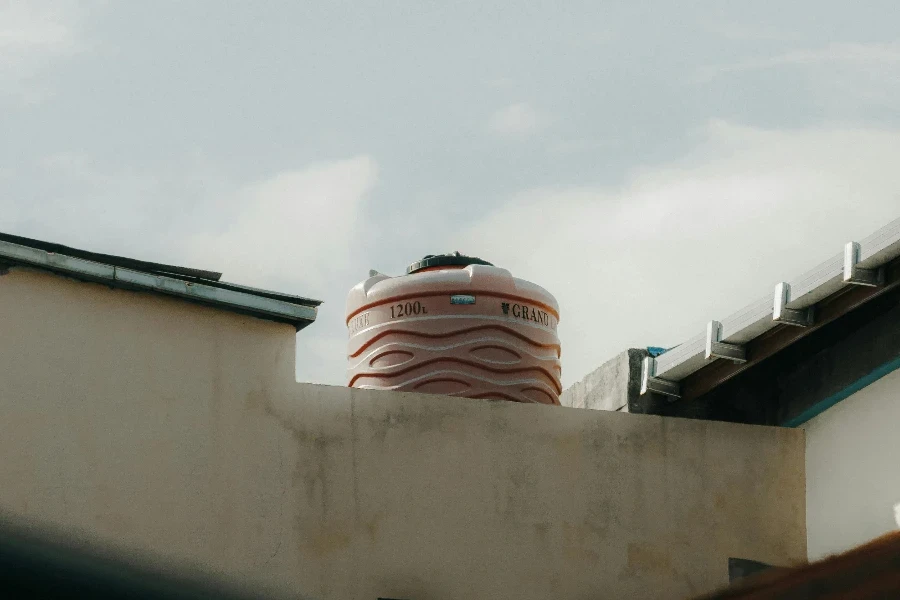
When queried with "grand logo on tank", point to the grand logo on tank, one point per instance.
{"points": [[528, 313]]}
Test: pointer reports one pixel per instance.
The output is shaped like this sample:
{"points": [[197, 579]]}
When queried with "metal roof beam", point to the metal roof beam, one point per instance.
{"points": [[850, 298], [716, 348], [798, 317], [802, 293], [855, 274], [651, 383]]}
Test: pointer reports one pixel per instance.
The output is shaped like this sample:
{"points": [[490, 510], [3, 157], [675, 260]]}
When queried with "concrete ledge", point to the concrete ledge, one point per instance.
{"points": [[612, 386]]}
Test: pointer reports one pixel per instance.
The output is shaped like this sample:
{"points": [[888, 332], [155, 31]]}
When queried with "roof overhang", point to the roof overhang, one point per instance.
{"points": [[184, 284], [861, 272]]}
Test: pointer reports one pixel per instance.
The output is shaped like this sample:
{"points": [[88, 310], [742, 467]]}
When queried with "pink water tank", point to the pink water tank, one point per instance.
{"points": [[458, 326]]}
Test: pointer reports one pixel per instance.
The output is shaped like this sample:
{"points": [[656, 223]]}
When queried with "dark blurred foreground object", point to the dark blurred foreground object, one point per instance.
{"points": [[38, 565], [740, 568], [864, 573]]}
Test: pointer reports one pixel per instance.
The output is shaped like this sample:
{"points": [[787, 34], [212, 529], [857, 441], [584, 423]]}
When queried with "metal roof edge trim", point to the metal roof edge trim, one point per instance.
{"points": [[158, 283], [823, 405], [755, 319]]}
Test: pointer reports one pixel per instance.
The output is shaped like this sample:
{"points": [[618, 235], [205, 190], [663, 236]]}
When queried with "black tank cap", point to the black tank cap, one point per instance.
{"points": [[454, 259]]}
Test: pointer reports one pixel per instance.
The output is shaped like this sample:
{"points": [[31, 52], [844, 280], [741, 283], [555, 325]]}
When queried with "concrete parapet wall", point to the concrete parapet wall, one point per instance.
{"points": [[178, 430], [612, 386]]}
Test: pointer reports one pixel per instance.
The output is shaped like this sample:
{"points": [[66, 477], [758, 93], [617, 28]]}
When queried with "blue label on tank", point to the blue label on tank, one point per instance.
{"points": [[462, 299]]}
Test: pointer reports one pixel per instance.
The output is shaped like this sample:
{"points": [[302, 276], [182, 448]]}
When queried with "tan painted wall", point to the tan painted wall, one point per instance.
{"points": [[853, 469], [178, 428]]}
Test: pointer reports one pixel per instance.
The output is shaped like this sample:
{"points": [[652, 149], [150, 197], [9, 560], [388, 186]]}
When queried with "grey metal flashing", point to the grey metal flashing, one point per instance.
{"points": [[289, 298], [798, 317], [855, 274], [716, 348], [880, 247], [207, 292], [108, 259], [757, 318], [650, 383]]}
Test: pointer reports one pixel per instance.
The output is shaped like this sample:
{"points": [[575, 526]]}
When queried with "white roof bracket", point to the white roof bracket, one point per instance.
{"points": [[651, 383], [876, 251], [856, 275], [716, 348], [789, 316]]}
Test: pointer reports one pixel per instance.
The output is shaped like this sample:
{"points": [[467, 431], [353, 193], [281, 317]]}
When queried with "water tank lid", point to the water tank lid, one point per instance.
{"points": [[445, 260]]}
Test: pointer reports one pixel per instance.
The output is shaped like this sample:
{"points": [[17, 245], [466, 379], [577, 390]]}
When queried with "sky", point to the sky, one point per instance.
{"points": [[653, 165]]}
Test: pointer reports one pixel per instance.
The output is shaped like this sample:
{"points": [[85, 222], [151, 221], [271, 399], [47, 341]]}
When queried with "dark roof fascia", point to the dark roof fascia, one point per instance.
{"points": [[109, 259], [273, 306]]}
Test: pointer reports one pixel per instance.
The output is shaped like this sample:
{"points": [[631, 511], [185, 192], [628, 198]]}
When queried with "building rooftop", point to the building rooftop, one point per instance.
{"points": [[861, 272], [194, 285]]}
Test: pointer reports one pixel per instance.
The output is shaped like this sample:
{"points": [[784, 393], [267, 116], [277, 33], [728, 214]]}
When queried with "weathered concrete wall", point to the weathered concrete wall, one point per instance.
{"points": [[853, 469], [612, 386], [178, 429]]}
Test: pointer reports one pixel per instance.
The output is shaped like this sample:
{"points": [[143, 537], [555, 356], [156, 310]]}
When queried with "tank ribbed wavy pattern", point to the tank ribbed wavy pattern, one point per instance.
{"points": [[475, 332]]}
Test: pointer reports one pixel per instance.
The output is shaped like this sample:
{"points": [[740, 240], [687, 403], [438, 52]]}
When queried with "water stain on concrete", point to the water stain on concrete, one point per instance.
{"points": [[579, 544], [570, 450], [326, 540], [541, 531], [372, 527], [647, 558]]}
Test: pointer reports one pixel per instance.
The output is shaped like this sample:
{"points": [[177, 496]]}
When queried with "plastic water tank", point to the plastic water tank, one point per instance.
{"points": [[455, 325]]}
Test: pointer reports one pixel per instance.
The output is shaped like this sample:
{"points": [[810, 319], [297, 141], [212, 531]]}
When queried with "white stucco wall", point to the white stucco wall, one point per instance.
{"points": [[177, 429], [853, 468]]}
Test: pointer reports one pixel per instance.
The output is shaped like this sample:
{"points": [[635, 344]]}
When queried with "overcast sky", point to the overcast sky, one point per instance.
{"points": [[654, 165]]}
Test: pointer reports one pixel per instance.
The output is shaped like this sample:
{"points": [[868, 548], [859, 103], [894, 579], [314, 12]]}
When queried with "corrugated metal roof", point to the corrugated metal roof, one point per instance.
{"points": [[195, 285], [128, 263], [757, 318]]}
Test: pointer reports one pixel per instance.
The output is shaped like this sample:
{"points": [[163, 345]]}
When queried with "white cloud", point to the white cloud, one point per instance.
{"points": [[500, 82], [516, 120], [595, 37], [854, 54], [74, 199], [34, 26], [33, 34], [292, 230], [651, 261], [743, 32], [843, 77], [576, 146]]}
